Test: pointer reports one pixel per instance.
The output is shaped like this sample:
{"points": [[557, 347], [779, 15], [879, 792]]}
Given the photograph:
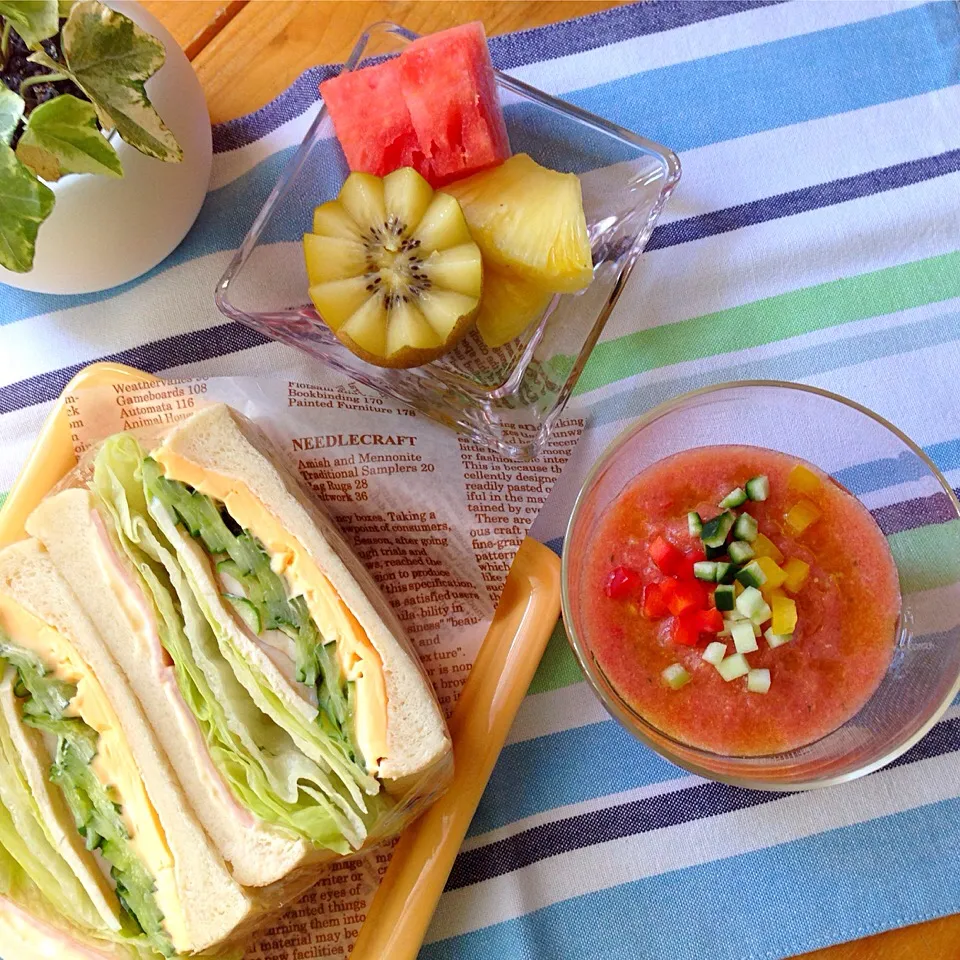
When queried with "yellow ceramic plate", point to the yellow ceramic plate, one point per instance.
{"points": [[524, 620]]}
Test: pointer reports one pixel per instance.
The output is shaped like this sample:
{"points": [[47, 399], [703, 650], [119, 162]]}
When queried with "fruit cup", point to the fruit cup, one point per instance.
{"points": [[509, 398]]}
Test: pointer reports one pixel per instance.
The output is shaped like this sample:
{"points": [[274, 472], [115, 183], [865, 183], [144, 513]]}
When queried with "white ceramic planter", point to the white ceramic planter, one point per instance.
{"points": [[104, 232]]}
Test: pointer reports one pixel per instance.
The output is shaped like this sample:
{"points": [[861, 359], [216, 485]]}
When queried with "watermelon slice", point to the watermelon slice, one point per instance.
{"points": [[434, 108], [372, 121], [448, 83]]}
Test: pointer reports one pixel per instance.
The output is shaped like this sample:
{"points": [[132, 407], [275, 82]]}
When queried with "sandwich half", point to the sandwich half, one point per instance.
{"points": [[91, 815], [282, 685]]}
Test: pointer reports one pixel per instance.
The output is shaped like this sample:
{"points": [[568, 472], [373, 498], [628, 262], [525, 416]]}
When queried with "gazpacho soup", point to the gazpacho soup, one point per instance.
{"points": [[740, 600]]}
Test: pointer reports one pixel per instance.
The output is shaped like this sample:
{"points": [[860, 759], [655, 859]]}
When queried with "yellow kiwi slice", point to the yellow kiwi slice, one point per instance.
{"points": [[393, 270]]}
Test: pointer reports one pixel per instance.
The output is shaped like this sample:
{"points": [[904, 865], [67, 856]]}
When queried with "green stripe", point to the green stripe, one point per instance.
{"points": [[774, 318], [927, 557], [559, 667], [3, 498]]}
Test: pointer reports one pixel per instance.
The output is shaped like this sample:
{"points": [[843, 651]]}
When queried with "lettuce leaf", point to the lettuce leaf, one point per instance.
{"points": [[257, 758], [24, 837], [96, 816]]}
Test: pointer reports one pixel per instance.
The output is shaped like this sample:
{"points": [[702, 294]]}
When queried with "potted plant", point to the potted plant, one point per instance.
{"points": [[86, 199]]}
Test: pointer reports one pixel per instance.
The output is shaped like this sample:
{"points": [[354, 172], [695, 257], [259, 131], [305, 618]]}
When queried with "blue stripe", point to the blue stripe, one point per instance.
{"points": [[879, 474], [789, 81], [838, 885], [565, 833], [805, 199], [566, 767], [507, 52], [786, 81]]}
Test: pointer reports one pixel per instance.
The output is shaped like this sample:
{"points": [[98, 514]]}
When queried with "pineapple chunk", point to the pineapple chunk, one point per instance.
{"points": [[508, 306], [529, 220], [796, 574]]}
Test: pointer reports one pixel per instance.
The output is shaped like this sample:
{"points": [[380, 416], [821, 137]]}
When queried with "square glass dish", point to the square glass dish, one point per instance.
{"points": [[509, 398]]}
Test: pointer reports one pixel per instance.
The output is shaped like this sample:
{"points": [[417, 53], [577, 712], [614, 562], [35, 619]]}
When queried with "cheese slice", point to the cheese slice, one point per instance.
{"points": [[114, 765], [358, 659]]}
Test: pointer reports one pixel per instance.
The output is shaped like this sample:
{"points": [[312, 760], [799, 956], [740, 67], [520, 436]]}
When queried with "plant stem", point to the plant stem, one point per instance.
{"points": [[41, 78], [4, 44]]}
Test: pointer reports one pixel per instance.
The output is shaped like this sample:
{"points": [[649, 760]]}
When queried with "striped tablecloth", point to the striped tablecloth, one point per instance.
{"points": [[815, 237]]}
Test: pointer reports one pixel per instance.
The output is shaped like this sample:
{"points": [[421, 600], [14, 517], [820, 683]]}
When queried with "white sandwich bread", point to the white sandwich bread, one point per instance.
{"points": [[278, 681]]}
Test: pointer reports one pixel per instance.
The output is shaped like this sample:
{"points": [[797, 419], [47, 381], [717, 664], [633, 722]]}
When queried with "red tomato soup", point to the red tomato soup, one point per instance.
{"points": [[840, 601]]}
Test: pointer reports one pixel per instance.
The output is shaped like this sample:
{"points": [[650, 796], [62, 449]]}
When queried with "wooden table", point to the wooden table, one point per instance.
{"points": [[247, 51]]}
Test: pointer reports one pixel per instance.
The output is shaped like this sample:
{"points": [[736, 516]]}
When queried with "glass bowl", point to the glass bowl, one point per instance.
{"points": [[914, 507], [509, 398]]}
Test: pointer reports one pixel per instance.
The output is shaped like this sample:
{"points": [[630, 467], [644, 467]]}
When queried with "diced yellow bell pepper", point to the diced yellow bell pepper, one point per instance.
{"points": [[775, 576], [801, 515], [784, 613], [796, 572], [737, 588], [765, 547], [803, 480]]}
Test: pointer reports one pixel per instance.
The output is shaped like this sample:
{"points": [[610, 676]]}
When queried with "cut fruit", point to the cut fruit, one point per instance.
{"points": [[371, 119], [434, 108], [449, 87], [508, 306], [393, 271], [529, 220]]}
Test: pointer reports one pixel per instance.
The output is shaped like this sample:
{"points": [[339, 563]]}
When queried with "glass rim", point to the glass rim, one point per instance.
{"points": [[618, 708]]}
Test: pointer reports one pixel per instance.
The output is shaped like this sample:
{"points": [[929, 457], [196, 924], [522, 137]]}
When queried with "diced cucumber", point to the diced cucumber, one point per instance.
{"points": [[724, 597], [694, 523], [734, 498], [725, 572], [715, 531], [758, 488], [752, 575], [746, 528], [750, 601], [733, 666], [761, 617], [775, 640], [758, 681], [675, 676], [743, 638], [715, 652], [740, 551], [705, 570], [247, 612], [715, 553]]}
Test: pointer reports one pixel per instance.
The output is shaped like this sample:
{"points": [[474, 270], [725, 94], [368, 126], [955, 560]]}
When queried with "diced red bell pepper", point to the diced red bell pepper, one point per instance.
{"points": [[666, 556], [654, 605], [685, 629], [710, 621], [622, 582], [685, 567], [681, 595]]}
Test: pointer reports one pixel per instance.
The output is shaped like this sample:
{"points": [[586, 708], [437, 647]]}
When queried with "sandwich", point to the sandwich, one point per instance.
{"points": [[281, 685], [98, 845]]}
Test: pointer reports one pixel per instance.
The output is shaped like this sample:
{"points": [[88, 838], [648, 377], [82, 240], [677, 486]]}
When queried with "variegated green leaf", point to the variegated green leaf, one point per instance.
{"points": [[62, 136], [34, 20], [25, 203], [110, 58], [11, 110]]}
